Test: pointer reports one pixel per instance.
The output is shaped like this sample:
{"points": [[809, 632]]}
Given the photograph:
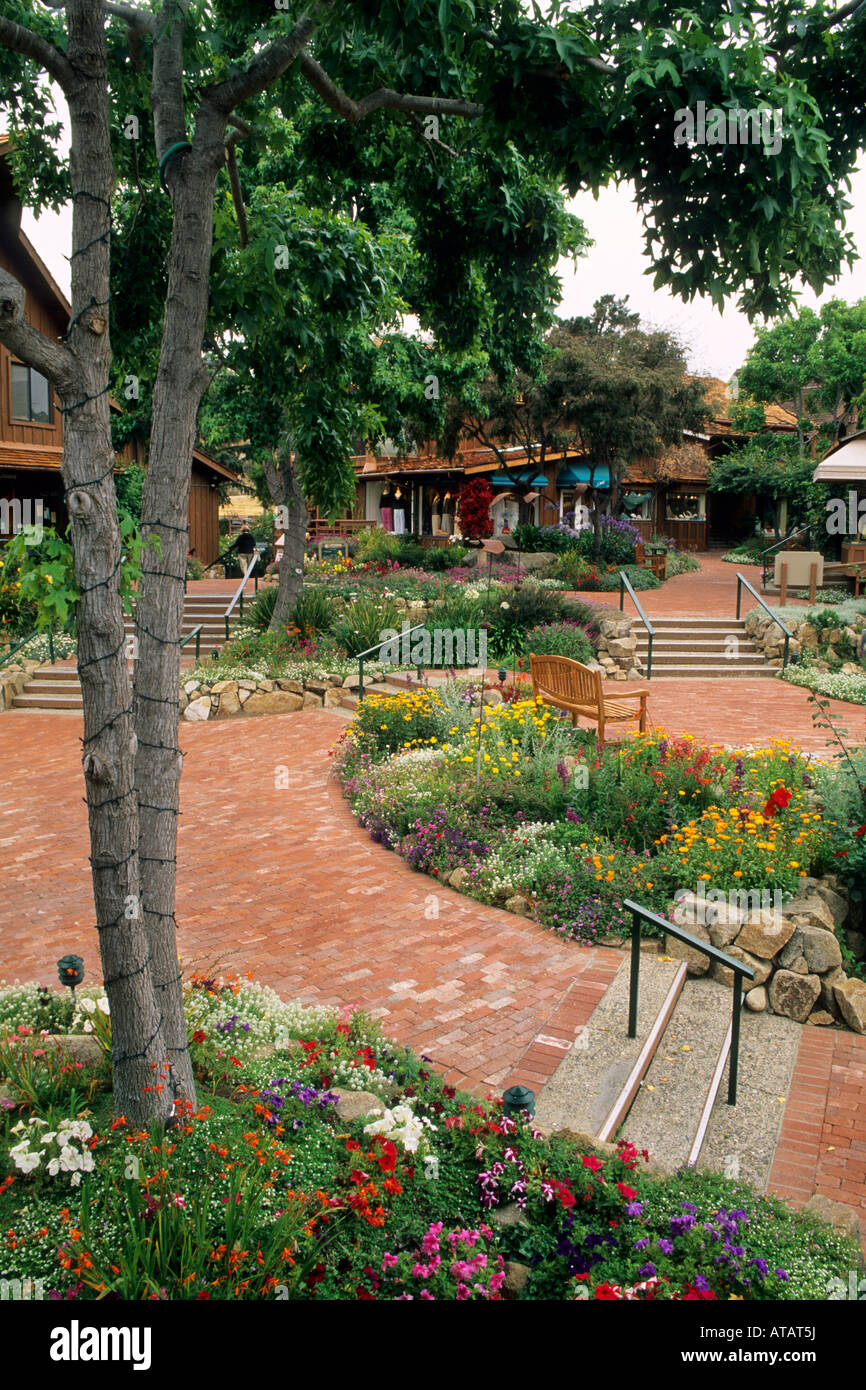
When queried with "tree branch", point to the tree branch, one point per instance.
{"points": [[22, 40], [140, 20], [355, 111], [237, 196], [54, 360], [265, 68], [791, 40], [166, 96]]}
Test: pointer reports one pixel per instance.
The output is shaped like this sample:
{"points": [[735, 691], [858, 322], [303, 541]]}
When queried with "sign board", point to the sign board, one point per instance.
{"points": [[333, 550]]}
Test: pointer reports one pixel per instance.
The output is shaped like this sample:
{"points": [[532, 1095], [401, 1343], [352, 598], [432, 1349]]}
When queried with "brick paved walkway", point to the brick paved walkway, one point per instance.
{"points": [[289, 888]]}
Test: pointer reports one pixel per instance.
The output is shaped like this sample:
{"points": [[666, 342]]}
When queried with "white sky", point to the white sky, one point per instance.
{"points": [[716, 342]]}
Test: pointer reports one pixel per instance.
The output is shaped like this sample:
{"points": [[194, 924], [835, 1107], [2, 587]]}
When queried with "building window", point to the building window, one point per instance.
{"points": [[31, 395]]}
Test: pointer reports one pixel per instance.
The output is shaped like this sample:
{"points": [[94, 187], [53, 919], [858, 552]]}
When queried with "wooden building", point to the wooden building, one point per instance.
{"points": [[31, 426]]}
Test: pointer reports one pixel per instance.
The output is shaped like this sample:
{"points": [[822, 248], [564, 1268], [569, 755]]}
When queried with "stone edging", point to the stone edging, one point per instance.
{"points": [[13, 680]]}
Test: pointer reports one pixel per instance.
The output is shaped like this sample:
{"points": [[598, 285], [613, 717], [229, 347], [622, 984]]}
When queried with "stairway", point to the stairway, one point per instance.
{"points": [[666, 1089], [708, 648], [389, 685], [57, 686]]}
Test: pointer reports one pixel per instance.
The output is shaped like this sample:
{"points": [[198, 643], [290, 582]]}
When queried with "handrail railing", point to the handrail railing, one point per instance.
{"points": [[740, 970], [743, 582], [18, 645], [196, 633], [804, 530], [378, 647], [625, 583], [240, 594]]}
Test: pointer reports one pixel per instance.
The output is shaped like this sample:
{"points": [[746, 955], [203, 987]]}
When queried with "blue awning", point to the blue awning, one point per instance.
{"points": [[574, 473], [518, 477]]}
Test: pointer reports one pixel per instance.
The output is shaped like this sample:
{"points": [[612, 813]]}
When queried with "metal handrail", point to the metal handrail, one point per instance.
{"points": [[804, 530], [741, 581], [240, 594], [740, 970], [18, 645], [378, 647], [625, 583], [196, 633]]}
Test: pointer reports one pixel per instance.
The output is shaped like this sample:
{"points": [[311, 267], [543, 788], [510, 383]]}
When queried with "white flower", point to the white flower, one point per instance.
{"points": [[76, 1179], [46, 1138], [88, 1027], [24, 1160], [88, 1005], [103, 1005]]}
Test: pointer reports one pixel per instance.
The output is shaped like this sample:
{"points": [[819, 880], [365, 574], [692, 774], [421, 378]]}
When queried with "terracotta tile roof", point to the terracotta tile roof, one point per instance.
{"points": [[721, 401], [30, 456]]}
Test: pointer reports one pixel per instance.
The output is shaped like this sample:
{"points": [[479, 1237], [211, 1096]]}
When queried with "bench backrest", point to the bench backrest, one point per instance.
{"points": [[564, 679]]}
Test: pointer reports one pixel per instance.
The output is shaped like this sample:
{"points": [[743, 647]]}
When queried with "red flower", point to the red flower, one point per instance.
{"points": [[627, 1192], [607, 1291], [199, 1035], [861, 831], [777, 801], [593, 1164]]}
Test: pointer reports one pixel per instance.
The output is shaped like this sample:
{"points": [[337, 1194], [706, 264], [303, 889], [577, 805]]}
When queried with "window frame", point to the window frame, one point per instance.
{"points": [[48, 424]]}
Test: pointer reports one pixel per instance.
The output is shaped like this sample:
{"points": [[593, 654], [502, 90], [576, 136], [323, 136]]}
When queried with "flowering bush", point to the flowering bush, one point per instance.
{"points": [[473, 509], [66, 1149]]}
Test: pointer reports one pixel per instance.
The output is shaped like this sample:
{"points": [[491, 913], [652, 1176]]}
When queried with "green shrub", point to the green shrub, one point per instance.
{"points": [[560, 639], [378, 544], [261, 610], [313, 612], [443, 557], [516, 612], [363, 623]]}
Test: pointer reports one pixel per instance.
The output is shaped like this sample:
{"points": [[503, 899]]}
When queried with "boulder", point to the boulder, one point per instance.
{"points": [[622, 646], [828, 982], [246, 685], [229, 703], [509, 1215], [756, 999], [820, 948], [198, 709], [724, 921], [317, 687], [333, 697], [837, 905], [516, 1277], [290, 685], [352, 681], [793, 995], [273, 702], [697, 962], [222, 686], [518, 905], [821, 1019], [813, 908], [311, 700], [764, 934], [190, 686], [851, 1000], [856, 943], [356, 1105], [458, 878], [725, 975]]}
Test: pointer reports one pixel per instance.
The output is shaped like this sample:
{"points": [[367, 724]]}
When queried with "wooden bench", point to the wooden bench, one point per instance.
{"points": [[556, 680], [656, 561]]}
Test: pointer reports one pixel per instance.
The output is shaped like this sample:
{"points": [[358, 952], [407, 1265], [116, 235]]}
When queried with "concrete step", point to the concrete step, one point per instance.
{"points": [[713, 647], [730, 671], [690, 658]]}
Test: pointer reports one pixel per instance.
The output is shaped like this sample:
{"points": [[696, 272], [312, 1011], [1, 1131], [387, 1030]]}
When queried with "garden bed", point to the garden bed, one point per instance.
{"points": [[514, 807], [325, 1162]]}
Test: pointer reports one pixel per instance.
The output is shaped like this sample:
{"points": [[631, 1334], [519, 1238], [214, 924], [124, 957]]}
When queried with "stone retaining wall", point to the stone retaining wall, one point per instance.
{"points": [[13, 679], [223, 699], [795, 952], [617, 650], [770, 639]]}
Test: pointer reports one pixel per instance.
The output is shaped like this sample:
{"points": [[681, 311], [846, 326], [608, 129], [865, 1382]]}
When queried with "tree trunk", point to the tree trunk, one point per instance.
{"points": [[88, 462], [282, 480], [159, 609]]}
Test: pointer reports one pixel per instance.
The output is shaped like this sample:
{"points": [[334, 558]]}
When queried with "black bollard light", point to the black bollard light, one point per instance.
{"points": [[70, 972], [518, 1098]]}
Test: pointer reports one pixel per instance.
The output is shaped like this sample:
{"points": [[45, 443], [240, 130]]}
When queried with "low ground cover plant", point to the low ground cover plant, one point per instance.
{"points": [[263, 1191]]}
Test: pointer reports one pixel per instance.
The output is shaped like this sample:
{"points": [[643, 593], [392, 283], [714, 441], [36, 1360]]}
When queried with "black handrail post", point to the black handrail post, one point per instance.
{"points": [[739, 595], [634, 975], [360, 679], [197, 643], [621, 592], [785, 657], [736, 1011], [51, 645], [649, 656]]}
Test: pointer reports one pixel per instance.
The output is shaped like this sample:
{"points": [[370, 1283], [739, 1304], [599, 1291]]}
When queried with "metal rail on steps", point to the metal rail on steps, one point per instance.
{"points": [[240, 595], [625, 584], [362, 657], [803, 531], [730, 1047], [196, 633], [742, 583]]}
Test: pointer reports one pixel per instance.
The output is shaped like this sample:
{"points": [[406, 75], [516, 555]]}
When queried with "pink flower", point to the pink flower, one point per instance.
{"points": [[427, 1296], [389, 1261], [462, 1293]]}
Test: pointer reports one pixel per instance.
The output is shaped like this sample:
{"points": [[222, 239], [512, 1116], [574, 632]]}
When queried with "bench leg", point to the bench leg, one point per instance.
{"points": [[642, 721], [601, 730], [575, 720]]}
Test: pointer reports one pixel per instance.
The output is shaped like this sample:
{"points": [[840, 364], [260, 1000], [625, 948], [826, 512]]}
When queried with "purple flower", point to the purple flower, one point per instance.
{"points": [[666, 1247], [634, 1209], [648, 1270]]}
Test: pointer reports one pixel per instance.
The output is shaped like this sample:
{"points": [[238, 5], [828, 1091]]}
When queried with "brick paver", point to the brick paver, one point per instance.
{"points": [[288, 887]]}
